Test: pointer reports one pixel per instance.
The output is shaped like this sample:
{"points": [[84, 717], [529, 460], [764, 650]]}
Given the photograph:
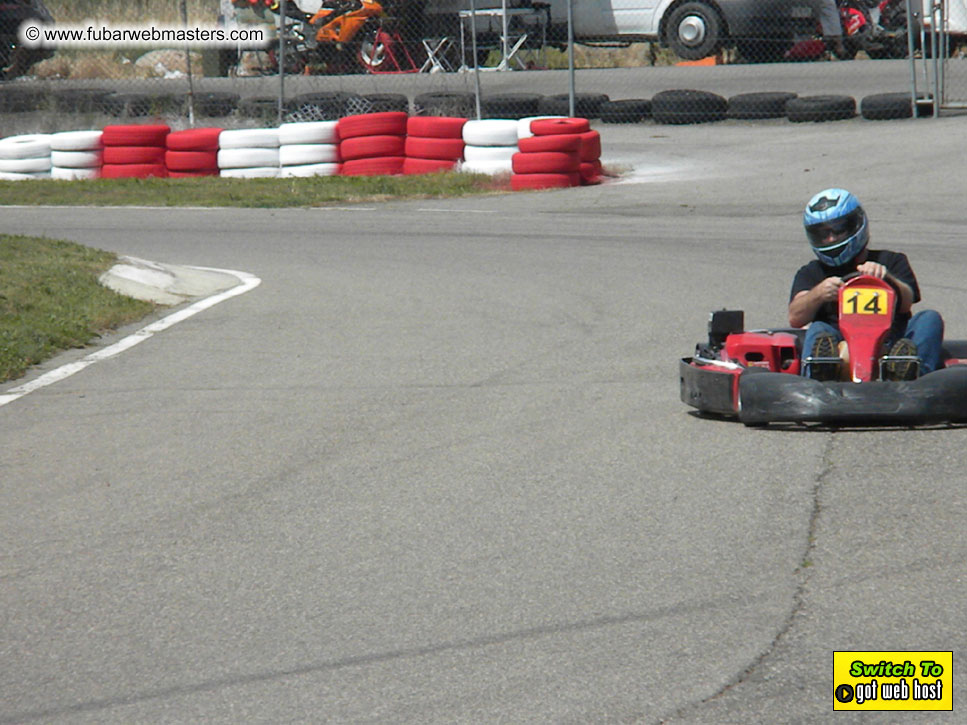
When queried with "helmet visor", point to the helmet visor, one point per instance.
{"points": [[834, 232]]}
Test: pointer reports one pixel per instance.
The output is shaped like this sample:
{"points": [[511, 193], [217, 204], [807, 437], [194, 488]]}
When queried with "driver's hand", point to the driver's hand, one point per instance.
{"points": [[874, 269], [829, 289]]}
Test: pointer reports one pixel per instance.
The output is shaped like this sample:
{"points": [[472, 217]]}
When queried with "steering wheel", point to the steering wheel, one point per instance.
{"points": [[894, 285]]}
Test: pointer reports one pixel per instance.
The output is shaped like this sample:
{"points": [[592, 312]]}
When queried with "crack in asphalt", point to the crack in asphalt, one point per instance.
{"points": [[798, 597]]}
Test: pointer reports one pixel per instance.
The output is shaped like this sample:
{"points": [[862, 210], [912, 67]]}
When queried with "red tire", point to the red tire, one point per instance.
{"points": [[135, 135], [367, 147], [135, 171], [435, 126], [191, 174], [545, 162], [427, 166], [134, 155], [551, 126], [590, 146], [543, 181], [191, 160], [421, 147], [554, 142], [193, 139], [590, 172], [380, 166], [386, 123]]}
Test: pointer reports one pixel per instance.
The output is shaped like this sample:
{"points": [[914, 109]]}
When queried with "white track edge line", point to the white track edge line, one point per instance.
{"points": [[247, 282]]}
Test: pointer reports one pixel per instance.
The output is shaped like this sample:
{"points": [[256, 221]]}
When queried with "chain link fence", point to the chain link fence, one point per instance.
{"points": [[671, 61]]}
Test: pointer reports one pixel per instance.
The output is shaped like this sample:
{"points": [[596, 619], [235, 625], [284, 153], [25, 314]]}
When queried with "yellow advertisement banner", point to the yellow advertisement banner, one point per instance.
{"points": [[893, 680]]}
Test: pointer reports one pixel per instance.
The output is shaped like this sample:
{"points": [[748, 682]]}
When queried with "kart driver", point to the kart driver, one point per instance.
{"points": [[838, 232]]}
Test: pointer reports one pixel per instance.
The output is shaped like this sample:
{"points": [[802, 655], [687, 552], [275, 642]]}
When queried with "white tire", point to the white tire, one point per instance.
{"points": [[490, 132], [309, 170], [308, 132], [66, 174], [27, 146], [308, 153], [524, 125], [25, 166], [258, 172], [486, 154], [76, 159], [244, 138], [76, 140], [12, 176], [247, 158], [487, 167]]}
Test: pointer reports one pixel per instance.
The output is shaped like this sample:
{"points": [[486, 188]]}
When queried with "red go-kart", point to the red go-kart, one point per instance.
{"points": [[756, 375]]}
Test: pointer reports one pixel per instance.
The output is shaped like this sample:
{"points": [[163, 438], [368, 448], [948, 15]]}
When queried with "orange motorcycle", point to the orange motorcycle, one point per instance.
{"points": [[331, 40]]}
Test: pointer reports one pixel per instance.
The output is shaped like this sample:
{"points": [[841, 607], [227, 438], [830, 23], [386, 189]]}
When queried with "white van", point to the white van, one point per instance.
{"points": [[693, 29]]}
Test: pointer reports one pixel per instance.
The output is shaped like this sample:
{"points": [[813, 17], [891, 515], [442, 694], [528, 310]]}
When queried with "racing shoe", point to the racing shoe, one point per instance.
{"points": [[825, 347], [901, 369]]}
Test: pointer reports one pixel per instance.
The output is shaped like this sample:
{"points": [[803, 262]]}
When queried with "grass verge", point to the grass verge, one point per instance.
{"points": [[50, 300], [215, 191]]}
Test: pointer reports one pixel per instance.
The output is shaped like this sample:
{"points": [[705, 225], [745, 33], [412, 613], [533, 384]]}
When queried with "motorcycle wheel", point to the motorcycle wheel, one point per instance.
{"points": [[371, 53], [850, 48]]}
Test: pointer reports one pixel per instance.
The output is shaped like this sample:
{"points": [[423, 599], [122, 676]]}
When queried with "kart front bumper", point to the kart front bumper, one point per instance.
{"points": [[765, 397]]}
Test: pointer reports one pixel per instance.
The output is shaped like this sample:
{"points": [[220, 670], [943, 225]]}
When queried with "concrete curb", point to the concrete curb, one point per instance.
{"points": [[166, 284]]}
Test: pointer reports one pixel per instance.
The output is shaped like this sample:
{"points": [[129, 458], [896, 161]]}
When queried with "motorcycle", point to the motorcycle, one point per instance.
{"points": [[877, 27], [332, 39], [15, 59]]}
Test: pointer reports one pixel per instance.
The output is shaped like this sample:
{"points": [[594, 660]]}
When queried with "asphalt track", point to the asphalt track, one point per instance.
{"points": [[435, 469]]}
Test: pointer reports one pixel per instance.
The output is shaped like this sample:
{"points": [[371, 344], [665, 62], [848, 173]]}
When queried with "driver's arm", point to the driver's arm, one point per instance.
{"points": [[805, 305], [879, 271]]}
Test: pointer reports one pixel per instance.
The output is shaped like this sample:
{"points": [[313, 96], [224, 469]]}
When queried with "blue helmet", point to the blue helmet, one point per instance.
{"points": [[836, 226]]}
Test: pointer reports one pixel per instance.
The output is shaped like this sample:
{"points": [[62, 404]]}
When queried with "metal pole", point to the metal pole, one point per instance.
{"points": [[473, 49], [570, 56], [191, 87], [936, 46], [281, 58], [911, 49]]}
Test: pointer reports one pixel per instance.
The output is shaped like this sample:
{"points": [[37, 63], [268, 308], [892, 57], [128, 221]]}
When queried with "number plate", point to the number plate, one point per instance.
{"points": [[864, 301]]}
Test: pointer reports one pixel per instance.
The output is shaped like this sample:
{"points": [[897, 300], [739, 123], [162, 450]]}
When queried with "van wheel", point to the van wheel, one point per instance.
{"points": [[694, 30]]}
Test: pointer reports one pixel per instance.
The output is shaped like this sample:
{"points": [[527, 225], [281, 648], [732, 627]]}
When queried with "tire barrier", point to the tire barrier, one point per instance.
{"points": [[489, 145], [687, 106], [510, 105], [372, 144], [308, 148], [561, 152], [586, 105], [248, 153], [764, 104], [192, 152], [547, 150], [26, 156], [76, 154], [887, 106], [463, 105], [820, 108], [433, 143], [628, 110], [134, 151]]}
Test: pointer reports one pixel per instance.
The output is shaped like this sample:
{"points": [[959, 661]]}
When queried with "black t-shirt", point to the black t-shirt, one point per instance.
{"points": [[811, 274]]}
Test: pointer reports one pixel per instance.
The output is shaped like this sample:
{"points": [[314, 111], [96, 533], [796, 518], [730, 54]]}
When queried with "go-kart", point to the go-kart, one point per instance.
{"points": [[757, 376]]}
